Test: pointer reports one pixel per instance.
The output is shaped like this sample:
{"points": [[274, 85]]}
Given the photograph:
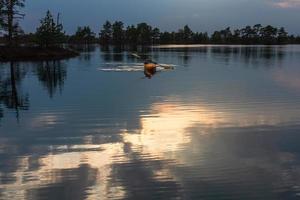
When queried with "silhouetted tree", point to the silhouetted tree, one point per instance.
{"points": [[216, 38], [118, 33], [226, 35], [282, 36], [144, 33], [236, 38], [131, 35], [106, 33], [269, 34], [9, 16], [200, 38], [179, 36], [247, 34], [155, 35], [187, 34], [257, 33], [167, 37], [83, 35], [50, 32], [297, 40]]}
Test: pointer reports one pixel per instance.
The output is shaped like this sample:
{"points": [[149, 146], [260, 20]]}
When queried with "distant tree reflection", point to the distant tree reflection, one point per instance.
{"points": [[106, 53], [85, 50], [83, 47], [10, 95], [118, 53], [52, 75], [249, 54]]}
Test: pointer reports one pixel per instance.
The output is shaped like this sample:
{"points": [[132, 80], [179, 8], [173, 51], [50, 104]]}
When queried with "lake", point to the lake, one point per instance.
{"points": [[222, 123]]}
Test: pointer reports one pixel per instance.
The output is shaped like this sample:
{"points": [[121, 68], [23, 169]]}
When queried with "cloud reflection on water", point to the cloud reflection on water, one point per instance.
{"points": [[164, 132], [209, 140]]}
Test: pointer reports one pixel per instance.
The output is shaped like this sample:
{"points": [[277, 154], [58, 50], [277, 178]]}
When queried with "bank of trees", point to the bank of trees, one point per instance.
{"points": [[257, 34], [83, 35], [144, 34], [115, 33], [50, 32]]}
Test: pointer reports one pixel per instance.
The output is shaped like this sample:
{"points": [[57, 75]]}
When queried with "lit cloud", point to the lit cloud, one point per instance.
{"points": [[286, 3]]}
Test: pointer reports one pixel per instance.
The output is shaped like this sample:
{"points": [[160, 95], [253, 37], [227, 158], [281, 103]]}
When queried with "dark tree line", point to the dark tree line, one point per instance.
{"points": [[50, 32], [83, 35], [144, 34], [257, 34]]}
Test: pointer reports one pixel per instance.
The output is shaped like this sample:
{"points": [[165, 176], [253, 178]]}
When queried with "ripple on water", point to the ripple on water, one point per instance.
{"points": [[205, 131]]}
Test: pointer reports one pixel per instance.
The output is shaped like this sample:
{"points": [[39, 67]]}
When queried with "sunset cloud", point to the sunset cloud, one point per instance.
{"points": [[286, 3]]}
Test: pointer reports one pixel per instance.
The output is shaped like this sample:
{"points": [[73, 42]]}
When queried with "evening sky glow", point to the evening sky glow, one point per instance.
{"points": [[201, 15]]}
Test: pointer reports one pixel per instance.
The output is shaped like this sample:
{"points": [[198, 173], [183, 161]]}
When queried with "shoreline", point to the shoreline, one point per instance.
{"points": [[35, 53]]}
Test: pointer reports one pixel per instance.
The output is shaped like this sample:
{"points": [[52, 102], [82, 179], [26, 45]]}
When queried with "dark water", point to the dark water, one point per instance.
{"points": [[223, 124]]}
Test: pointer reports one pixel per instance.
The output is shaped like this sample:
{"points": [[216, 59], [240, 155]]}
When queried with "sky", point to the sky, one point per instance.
{"points": [[168, 15]]}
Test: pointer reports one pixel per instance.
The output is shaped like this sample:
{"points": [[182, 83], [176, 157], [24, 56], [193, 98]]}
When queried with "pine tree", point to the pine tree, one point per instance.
{"points": [[118, 33], [10, 16], [282, 37], [187, 34], [83, 35], [144, 33], [106, 33], [131, 35], [49, 33]]}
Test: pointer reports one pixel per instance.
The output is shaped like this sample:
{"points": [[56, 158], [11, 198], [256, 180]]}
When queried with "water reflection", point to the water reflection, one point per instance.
{"points": [[253, 55], [149, 72], [78, 171], [202, 132], [85, 50], [168, 126], [10, 91], [174, 141], [84, 47], [52, 75], [288, 79], [118, 54], [124, 53], [106, 53]]}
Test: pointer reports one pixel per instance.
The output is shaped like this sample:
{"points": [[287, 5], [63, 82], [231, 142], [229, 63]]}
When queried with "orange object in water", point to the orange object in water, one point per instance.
{"points": [[150, 66]]}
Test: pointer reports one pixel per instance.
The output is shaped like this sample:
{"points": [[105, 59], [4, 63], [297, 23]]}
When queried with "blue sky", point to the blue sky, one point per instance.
{"points": [[201, 15]]}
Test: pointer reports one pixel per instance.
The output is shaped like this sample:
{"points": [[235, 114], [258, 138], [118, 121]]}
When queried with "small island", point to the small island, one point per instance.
{"points": [[24, 53], [46, 44]]}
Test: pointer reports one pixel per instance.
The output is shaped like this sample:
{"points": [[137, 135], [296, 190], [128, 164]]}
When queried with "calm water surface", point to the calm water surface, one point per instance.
{"points": [[223, 124]]}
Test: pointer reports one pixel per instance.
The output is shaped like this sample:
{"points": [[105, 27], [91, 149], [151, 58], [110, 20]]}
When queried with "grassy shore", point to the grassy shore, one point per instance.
{"points": [[35, 53]]}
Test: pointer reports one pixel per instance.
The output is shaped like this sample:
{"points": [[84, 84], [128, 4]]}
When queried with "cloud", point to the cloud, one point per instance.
{"points": [[286, 3]]}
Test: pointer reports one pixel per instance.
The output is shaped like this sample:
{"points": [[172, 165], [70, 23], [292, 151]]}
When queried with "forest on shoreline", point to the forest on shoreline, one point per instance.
{"points": [[50, 32], [144, 34]]}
